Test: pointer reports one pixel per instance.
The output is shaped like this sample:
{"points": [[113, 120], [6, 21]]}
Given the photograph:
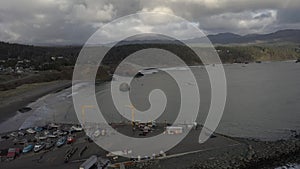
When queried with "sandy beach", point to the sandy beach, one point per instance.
{"points": [[12, 100]]}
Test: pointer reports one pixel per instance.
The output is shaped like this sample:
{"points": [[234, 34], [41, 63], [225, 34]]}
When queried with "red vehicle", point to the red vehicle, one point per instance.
{"points": [[13, 153]]}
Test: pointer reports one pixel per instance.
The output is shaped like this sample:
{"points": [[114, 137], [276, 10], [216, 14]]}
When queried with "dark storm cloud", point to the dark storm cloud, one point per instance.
{"points": [[263, 15], [74, 21], [290, 15]]}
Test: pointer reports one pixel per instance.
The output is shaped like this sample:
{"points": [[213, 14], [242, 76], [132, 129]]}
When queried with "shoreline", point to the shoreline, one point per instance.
{"points": [[10, 106], [252, 154]]}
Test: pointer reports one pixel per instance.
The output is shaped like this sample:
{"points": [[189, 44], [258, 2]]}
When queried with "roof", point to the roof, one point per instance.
{"points": [[89, 162]]}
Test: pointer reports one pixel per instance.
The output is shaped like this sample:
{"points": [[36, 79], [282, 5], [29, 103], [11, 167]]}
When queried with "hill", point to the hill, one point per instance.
{"points": [[280, 45], [282, 36]]}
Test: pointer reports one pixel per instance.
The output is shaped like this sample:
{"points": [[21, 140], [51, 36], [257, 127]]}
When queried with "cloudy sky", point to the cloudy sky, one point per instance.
{"points": [[74, 21]]}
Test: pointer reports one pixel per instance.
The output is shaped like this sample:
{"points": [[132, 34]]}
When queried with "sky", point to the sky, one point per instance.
{"points": [[68, 22]]}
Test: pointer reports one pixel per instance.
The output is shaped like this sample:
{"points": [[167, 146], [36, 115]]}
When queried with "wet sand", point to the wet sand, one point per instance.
{"points": [[12, 100]]}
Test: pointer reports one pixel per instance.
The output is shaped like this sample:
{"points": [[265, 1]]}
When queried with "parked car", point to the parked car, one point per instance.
{"points": [[60, 142], [96, 133], [28, 148]]}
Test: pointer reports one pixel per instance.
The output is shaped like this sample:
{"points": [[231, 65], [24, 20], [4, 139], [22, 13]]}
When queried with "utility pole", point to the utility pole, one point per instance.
{"points": [[132, 113], [83, 112]]}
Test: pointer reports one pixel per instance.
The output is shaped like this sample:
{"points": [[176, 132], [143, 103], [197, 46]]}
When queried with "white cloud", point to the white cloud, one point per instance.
{"points": [[91, 13], [242, 23], [73, 21], [142, 23], [159, 9]]}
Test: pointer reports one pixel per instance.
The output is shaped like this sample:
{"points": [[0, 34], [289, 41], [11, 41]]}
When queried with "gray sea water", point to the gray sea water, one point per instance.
{"points": [[263, 101]]}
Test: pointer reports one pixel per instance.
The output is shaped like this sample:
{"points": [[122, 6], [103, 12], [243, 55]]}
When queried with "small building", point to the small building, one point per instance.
{"points": [[174, 130], [92, 161]]}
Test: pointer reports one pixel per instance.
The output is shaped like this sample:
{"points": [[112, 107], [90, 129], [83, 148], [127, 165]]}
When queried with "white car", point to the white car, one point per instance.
{"points": [[97, 133]]}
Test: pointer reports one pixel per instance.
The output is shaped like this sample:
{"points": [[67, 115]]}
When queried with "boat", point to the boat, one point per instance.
{"points": [[49, 145], [51, 135], [20, 133], [41, 137], [39, 147], [76, 128], [18, 141], [38, 129], [60, 142], [28, 148], [147, 71], [60, 133], [14, 134], [24, 109], [46, 132], [53, 125], [30, 131]]}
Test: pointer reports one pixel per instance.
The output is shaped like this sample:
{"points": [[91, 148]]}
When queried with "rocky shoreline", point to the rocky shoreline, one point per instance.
{"points": [[259, 154], [253, 154]]}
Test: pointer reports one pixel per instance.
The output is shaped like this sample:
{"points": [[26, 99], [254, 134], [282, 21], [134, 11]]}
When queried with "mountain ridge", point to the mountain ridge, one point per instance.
{"points": [[286, 35]]}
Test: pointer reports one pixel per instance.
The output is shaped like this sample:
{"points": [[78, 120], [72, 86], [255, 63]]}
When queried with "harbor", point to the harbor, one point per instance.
{"points": [[75, 148], [242, 140]]}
